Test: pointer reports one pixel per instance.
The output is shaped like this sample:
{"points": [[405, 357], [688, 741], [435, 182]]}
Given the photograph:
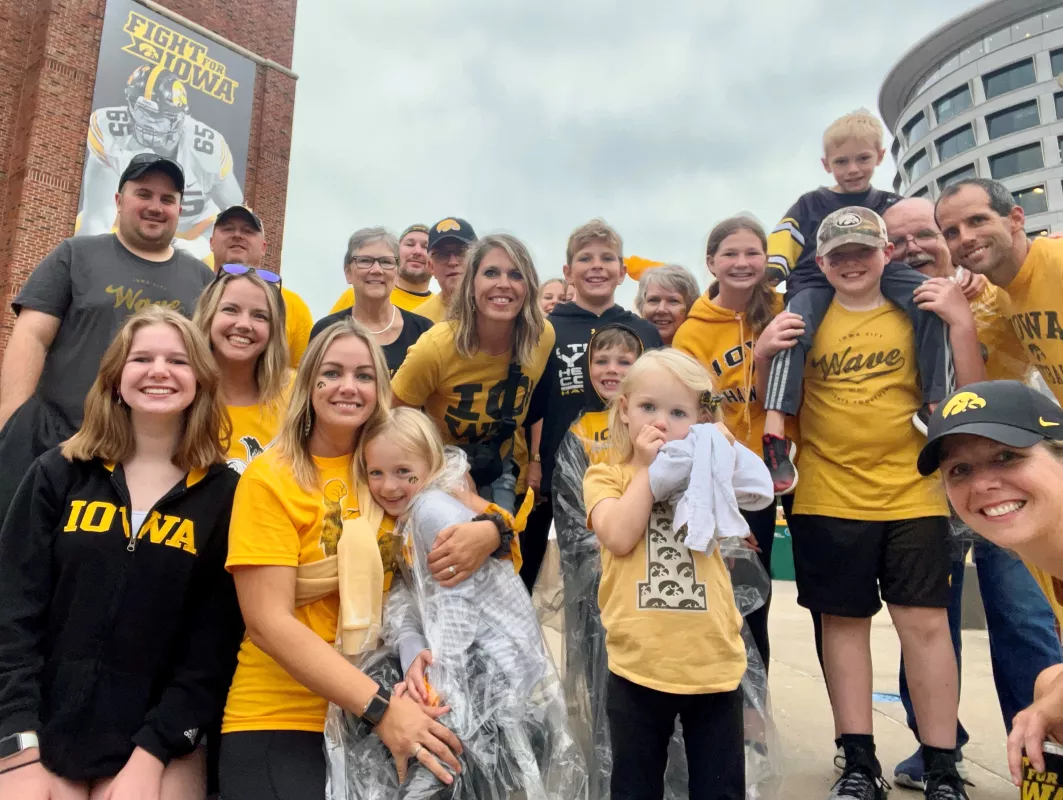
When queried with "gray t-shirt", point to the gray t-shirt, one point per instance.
{"points": [[93, 284]]}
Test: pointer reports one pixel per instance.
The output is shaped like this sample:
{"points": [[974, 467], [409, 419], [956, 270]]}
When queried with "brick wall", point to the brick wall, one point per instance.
{"points": [[48, 53]]}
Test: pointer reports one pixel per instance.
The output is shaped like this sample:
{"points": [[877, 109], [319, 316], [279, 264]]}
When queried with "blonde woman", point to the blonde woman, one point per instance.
{"points": [[118, 622], [474, 373], [242, 315], [303, 534]]}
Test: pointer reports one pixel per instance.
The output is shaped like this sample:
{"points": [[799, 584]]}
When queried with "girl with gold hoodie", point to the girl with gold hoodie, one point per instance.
{"points": [[723, 332]]}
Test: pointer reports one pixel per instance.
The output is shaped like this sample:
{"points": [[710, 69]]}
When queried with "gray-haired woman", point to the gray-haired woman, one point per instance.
{"points": [[369, 266], [664, 297]]}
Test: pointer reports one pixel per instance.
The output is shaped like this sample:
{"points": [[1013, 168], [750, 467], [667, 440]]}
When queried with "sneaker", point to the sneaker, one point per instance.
{"points": [[921, 418], [839, 758], [778, 455], [949, 786], [858, 783], [910, 772]]}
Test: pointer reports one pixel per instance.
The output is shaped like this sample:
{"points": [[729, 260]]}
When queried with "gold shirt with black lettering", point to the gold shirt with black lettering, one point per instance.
{"points": [[859, 451]]}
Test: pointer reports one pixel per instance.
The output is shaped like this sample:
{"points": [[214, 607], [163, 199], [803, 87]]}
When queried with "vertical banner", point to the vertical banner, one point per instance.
{"points": [[162, 88]]}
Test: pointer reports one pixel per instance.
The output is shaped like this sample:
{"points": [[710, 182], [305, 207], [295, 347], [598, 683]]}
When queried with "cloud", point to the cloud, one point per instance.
{"points": [[532, 118]]}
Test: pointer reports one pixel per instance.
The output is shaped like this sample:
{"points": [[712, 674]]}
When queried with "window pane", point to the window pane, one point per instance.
{"points": [[1010, 120], [971, 53], [1026, 28], [955, 143], [1059, 105], [1052, 19], [958, 175], [924, 192], [897, 182], [995, 41], [917, 166], [1014, 162], [916, 128], [1032, 201], [1036, 234], [1008, 79], [953, 103], [1057, 62]]}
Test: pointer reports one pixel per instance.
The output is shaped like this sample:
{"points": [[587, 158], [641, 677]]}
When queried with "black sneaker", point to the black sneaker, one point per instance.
{"points": [[945, 787], [778, 455], [859, 783], [921, 418]]}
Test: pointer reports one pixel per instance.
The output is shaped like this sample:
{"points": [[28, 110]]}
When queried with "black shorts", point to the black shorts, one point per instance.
{"points": [[841, 564]]}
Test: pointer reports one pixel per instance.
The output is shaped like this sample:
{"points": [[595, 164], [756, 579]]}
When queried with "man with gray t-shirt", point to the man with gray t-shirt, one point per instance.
{"points": [[75, 302]]}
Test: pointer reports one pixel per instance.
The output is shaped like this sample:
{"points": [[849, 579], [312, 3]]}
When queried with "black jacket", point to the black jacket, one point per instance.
{"points": [[109, 642], [559, 398]]}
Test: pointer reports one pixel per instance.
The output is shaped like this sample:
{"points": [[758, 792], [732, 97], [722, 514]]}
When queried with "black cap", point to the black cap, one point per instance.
{"points": [[450, 228], [240, 211], [1008, 412], [143, 163]]}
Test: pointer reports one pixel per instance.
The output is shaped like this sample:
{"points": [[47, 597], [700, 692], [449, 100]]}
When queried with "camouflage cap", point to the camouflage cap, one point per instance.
{"points": [[850, 225]]}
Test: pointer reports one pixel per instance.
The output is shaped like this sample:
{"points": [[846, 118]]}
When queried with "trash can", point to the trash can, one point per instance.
{"points": [[782, 554]]}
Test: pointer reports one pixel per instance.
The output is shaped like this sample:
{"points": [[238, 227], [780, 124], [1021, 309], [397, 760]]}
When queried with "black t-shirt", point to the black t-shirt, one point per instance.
{"points": [[412, 328]]}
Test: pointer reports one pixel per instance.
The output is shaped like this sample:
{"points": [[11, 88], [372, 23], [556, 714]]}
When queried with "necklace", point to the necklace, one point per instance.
{"points": [[387, 327]]}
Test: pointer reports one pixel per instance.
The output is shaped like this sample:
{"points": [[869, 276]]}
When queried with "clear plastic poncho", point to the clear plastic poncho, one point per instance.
{"points": [[490, 665], [586, 663]]}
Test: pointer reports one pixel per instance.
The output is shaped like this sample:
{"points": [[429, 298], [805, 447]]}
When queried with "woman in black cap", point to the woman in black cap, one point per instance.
{"points": [[999, 446]]}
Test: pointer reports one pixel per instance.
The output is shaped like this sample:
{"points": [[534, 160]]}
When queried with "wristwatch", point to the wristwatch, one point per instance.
{"points": [[376, 707], [536, 458], [16, 743]]}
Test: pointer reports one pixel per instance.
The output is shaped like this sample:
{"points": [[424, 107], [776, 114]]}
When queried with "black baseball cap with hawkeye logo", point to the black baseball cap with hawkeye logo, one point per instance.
{"points": [[450, 228], [1008, 412]]}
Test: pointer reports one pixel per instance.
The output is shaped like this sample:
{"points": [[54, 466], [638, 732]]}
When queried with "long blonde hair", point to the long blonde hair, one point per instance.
{"points": [[410, 430], [680, 366], [271, 368], [107, 432], [293, 441], [530, 323]]}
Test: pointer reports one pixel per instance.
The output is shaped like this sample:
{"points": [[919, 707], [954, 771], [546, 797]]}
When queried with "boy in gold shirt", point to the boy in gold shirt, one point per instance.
{"points": [[864, 506]]}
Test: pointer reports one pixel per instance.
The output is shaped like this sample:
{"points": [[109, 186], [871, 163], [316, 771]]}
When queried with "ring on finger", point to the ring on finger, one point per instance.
{"points": [[452, 570], [417, 750]]}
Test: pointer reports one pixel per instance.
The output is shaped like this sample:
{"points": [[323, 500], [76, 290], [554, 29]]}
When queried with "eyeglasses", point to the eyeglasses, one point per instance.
{"points": [[367, 262], [243, 269], [445, 253], [922, 238]]}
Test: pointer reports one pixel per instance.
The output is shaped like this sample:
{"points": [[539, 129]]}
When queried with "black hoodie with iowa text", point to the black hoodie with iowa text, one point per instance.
{"points": [[110, 641], [559, 398]]}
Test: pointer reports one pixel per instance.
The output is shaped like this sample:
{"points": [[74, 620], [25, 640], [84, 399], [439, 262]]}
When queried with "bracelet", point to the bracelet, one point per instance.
{"points": [[20, 766], [505, 533]]}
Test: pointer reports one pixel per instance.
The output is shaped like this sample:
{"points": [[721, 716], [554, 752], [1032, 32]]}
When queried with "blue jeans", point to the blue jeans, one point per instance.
{"points": [[1022, 630], [503, 492]]}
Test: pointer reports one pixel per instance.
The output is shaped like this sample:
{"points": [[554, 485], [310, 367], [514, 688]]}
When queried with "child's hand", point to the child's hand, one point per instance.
{"points": [[726, 433], [646, 445], [781, 334], [415, 684]]}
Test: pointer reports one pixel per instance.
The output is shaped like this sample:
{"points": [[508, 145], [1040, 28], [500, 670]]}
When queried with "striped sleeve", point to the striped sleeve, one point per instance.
{"points": [[785, 245]]}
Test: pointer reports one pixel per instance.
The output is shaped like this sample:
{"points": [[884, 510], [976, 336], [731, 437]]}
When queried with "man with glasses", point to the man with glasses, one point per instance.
{"points": [[1020, 623], [240, 238], [448, 242], [75, 301]]}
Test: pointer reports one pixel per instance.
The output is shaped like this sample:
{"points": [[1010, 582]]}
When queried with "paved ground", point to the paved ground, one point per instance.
{"points": [[803, 714]]}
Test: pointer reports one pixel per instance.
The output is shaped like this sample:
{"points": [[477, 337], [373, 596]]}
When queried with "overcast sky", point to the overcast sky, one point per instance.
{"points": [[533, 117]]}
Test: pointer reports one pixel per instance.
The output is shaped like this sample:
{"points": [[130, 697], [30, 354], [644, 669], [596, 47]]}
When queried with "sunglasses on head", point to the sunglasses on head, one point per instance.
{"points": [[243, 269]]}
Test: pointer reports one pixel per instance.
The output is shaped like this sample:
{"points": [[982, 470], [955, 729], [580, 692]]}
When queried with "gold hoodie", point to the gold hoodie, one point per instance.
{"points": [[721, 341]]}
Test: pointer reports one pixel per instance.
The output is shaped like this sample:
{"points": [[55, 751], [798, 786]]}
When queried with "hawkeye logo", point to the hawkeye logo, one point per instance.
{"points": [[182, 55], [447, 225], [964, 401], [164, 529]]}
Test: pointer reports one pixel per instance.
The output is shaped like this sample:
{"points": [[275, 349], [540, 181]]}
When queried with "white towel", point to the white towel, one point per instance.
{"points": [[707, 480]]}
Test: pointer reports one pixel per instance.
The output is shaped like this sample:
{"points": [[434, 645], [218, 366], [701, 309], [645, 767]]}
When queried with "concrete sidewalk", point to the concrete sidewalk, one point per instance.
{"points": [[802, 712], [803, 716]]}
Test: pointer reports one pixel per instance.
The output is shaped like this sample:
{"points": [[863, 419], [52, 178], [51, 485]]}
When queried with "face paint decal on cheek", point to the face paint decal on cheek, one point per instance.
{"points": [[413, 479], [320, 384]]}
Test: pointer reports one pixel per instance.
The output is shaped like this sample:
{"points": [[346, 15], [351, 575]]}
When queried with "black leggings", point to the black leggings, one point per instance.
{"points": [[641, 722], [533, 541], [272, 765]]}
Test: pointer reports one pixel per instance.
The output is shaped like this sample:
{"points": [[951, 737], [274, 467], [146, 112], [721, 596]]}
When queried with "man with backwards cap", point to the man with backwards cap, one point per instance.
{"points": [[240, 238], [412, 278], [448, 242], [999, 448], [75, 301]]}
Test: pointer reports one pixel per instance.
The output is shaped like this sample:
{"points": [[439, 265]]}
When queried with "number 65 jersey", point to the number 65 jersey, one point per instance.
{"points": [[200, 150]]}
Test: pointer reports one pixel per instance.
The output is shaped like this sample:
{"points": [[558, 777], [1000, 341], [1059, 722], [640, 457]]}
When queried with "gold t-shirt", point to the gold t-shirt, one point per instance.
{"points": [[433, 308], [592, 430], [859, 451], [1053, 589], [406, 300], [463, 395], [297, 325], [670, 618], [1033, 303], [275, 522], [255, 429]]}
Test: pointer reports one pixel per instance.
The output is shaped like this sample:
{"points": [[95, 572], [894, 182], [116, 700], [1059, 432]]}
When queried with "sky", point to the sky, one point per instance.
{"points": [[532, 118]]}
